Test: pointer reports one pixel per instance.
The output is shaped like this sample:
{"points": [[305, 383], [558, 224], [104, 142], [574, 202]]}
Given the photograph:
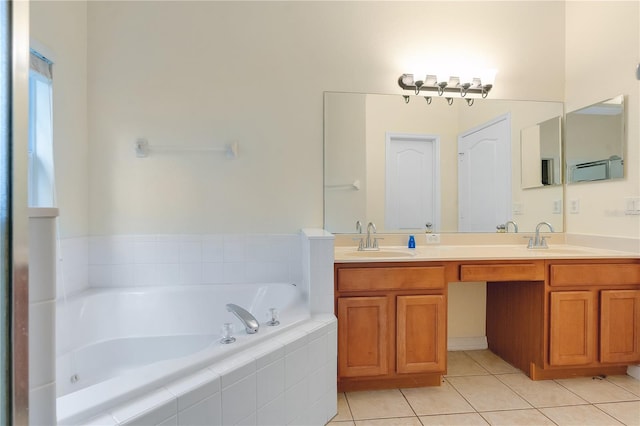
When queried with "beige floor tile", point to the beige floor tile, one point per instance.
{"points": [[347, 423], [398, 421], [597, 390], [378, 404], [454, 420], [579, 415], [492, 362], [627, 382], [443, 399], [486, 393], [541, 393], [344, 413], [516, 417], [461, 364], [626, 412]]}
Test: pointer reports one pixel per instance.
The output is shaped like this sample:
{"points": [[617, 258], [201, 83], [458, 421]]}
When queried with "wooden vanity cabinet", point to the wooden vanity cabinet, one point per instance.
{"points": [[364, 334], [421, 328], [549, 318], [391, 325], [620, 326], [594, 315], [573, 324], [562, 318], [594, 326]]}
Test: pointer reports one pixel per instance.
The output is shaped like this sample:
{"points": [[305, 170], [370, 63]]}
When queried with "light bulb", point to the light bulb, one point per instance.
{"points": [[488, 76], [407, 79]]}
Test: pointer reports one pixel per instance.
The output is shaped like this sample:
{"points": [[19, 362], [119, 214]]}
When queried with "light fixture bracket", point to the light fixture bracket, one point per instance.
{"points": [[406, 82]]}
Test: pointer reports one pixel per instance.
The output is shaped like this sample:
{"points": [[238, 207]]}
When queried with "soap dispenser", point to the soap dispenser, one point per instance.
{"points": [[412, 242]]}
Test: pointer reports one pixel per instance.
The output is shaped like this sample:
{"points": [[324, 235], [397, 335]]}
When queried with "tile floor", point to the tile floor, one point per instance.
{"points": [[483, 389]]}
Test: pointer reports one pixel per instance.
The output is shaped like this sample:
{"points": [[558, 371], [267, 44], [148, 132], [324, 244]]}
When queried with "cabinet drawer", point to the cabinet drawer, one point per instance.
{"points": [[594, 274], [409, 278], [503, 272]]}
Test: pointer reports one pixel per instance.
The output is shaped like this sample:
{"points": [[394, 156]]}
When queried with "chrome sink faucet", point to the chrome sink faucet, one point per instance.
{"points": [[369, 245], [359, 239], [515, 226], [538, 242]]}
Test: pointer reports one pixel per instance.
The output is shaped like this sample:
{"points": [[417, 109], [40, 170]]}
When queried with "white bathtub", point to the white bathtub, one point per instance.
{"points": [[115, 345]]}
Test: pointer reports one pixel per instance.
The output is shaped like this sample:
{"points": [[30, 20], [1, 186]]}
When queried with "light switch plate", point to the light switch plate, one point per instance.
{"points": [[574, 206], [517, 208], [632, 205]]}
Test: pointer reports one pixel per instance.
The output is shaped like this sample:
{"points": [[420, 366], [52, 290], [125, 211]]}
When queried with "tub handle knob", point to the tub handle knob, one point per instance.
{"points": [[227, 331], [274, 317]]}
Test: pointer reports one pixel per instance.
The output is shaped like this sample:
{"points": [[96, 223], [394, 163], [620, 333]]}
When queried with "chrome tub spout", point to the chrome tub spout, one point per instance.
{"points": [[250, 322]]}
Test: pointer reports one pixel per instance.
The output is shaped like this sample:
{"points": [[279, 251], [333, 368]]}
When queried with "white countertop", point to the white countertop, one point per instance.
{"points": [[350, 254]]}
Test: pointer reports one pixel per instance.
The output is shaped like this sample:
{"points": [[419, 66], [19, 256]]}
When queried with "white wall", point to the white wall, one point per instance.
{"points": [[278, 177], [345, 205], [602, 52], [202, 73], [61, 27]]}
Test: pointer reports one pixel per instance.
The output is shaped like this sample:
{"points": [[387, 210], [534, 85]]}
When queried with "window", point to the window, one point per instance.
{"points": [[41, 171]]}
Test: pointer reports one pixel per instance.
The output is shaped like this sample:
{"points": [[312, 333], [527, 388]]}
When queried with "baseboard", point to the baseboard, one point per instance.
{"points": [[467, 343], [634, 371]]}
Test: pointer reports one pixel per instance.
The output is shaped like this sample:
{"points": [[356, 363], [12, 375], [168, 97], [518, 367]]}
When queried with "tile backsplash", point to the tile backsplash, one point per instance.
{"points": [[146, 260], [72, 265]]}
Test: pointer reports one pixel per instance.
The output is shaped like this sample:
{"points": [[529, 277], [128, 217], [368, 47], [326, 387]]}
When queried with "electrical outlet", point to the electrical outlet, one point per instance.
{"points": [[574, 206], [557, 207], [632, 205], [433, 238]]}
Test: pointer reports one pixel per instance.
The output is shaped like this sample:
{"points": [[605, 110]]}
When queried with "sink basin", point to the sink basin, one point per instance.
{"points": [[380, 253]]}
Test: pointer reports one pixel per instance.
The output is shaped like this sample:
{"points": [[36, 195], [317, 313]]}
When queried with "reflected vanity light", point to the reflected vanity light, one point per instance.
{"points": [[463, 85]]}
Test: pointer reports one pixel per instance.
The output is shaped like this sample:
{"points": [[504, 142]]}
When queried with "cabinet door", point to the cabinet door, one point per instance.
{"points": [[421, 334], [620, 326], [572, 328], [363, 336]]}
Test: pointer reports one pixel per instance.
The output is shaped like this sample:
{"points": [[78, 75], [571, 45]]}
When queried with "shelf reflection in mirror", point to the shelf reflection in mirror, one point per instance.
{"points": [[358, 130], [595, 139], [540, 156]]}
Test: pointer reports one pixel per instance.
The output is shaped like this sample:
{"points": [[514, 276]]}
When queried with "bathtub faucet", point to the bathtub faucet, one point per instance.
{"points": [[250, 322]]}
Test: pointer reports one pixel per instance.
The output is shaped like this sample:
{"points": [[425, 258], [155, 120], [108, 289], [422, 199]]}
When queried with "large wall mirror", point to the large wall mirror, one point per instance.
{"points": [[595, 138], [456, 168]]}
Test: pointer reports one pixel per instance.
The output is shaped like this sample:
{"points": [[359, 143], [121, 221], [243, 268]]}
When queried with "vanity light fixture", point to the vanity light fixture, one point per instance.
{"points": [[452, 84]]}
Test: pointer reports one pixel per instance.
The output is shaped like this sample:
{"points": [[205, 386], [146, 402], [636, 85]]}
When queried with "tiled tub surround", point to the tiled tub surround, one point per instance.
{"points": [[42, 311], [295, 368], [288, 379]]}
